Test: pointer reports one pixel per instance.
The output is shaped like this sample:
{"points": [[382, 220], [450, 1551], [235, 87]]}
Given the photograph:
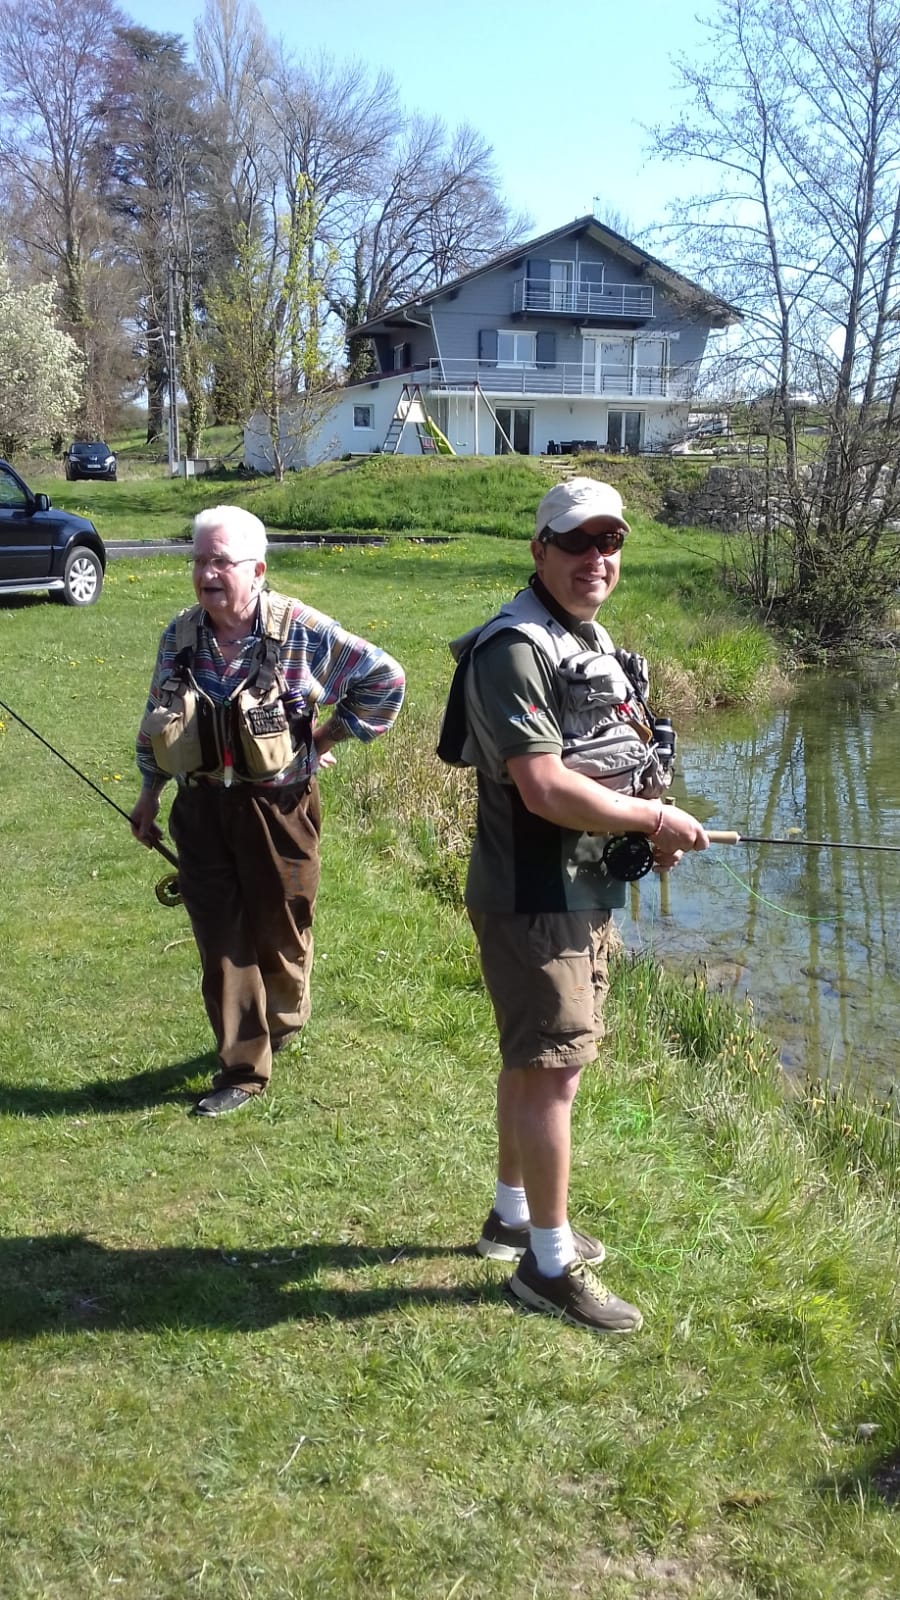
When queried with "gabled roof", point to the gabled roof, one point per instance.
{"points": [[719, 312]]}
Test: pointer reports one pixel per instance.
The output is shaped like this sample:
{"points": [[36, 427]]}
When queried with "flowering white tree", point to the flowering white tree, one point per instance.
{"points": [[41, 368]]}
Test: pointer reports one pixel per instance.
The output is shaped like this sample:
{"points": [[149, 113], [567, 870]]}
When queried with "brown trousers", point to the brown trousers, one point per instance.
{"points": [[248, 871]]}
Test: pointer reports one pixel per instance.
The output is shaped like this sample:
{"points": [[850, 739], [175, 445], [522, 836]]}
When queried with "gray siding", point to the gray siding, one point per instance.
{"points": [[486, 302]]}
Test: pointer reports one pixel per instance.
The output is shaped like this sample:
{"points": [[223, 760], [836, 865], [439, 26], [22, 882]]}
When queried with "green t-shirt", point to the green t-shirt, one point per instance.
{"points": [[519, 861]]}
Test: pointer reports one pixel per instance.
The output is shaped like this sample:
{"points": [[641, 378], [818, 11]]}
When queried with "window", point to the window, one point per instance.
{"points": [[624, 432], [402, 356], [562, 276], [515, 349], [362, 417], [10, 493], [515, 421]]}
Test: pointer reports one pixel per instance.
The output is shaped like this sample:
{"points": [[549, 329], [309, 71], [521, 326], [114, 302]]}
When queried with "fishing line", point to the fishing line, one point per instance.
{"points": [[799, 916]]}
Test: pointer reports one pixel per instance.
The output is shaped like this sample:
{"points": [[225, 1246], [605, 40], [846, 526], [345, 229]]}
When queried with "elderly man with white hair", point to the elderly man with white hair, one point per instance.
{"points": [[555, 721], [233, 717]]}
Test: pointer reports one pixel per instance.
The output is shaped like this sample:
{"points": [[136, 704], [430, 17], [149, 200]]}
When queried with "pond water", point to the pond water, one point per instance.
{"points": [[812, 936]]}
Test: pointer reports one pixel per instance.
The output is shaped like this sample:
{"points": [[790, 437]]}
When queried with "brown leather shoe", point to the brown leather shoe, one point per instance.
{"points": [[576, 1297]]}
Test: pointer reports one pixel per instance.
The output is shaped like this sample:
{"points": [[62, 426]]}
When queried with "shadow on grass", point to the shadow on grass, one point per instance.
{"points": [[67, 1283], [876, 1479], [111, 1095]]}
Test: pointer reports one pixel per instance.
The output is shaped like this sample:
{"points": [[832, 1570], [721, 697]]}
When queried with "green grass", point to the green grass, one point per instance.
{"points": [[258, 1358], [673, 603]]}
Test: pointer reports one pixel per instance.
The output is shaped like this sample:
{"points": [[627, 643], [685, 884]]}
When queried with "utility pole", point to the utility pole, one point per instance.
{"points": [[174, 442]]}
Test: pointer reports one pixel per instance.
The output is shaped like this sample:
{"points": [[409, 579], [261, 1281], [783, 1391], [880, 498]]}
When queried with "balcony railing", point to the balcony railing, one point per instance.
{"points": [[564, 378], [625, 302]]}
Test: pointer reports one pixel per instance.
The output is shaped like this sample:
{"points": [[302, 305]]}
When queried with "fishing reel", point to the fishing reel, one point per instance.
{"points": [[627, 857], [167, 890]]}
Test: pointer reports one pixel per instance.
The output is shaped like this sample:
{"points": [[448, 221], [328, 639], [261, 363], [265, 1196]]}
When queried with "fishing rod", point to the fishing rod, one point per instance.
{"points": [[167, 891], [729, 837], [629, 856]]}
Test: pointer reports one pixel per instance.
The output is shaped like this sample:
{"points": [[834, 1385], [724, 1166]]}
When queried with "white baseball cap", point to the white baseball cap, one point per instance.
{"points": [[567, 505]]}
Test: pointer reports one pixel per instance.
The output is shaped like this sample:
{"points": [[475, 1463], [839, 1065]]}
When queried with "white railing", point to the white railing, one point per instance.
{"points": [[623, 300], [563, 377]]}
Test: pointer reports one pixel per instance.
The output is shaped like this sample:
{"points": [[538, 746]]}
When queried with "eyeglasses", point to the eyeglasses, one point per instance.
{"points": [[575, 542], [221, 563]]}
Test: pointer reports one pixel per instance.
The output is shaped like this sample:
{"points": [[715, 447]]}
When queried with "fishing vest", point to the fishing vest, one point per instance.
{"points": [[607, 727], [263, 726]]}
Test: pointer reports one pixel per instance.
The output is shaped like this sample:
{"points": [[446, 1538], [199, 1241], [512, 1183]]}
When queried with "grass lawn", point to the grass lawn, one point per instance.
{"points": [[258, 1359]]}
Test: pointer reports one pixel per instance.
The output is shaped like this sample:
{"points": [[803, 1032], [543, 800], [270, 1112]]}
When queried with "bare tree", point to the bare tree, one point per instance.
{"points": [[164, 158], [55, 63], [437, 213], [797, 112], [235, 59], [331, 128]]}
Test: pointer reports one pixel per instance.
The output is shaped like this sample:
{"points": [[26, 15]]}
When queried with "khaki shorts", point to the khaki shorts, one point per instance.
{"points": [[547, 976]]}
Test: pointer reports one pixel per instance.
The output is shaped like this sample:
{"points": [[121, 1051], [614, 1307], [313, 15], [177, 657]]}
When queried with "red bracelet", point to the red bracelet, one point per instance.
{"points": [[662, 818]]}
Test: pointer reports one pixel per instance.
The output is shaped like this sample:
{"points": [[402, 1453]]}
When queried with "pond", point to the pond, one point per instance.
{"points": [[811, 936]]}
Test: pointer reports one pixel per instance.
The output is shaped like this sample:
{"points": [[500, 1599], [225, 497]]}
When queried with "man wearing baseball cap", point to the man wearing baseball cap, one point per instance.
{"points": [[556, 723]]}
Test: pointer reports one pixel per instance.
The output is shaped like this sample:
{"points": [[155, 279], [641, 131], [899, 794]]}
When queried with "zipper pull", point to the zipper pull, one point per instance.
{"points": [[228, 764]]}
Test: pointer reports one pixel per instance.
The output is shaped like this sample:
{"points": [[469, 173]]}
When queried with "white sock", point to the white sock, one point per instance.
{"points": [[511, 1205], [554, 1249]]}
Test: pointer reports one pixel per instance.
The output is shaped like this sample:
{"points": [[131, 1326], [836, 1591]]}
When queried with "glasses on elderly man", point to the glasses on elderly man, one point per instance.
{"points": [[221, 563], [575, 542]]}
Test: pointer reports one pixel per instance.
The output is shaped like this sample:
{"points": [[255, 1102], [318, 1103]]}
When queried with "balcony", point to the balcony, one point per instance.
{"points": [[563, 378], [602, 302]]}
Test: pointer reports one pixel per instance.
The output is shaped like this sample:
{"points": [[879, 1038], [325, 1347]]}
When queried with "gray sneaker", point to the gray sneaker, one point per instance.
{"points": [[501, 1242], [576, 1297]]}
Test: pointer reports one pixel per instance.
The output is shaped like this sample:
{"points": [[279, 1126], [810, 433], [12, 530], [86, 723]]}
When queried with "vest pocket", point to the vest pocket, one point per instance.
{"points": [[174, 734], [264, 735]]}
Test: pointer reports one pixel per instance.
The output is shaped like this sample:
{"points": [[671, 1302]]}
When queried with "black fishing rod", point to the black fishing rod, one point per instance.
{"points": [[630, 855], [167, 892], [729, 837]]}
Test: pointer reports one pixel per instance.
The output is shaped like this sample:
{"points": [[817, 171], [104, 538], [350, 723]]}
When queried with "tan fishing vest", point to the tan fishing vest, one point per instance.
{"points": [[260, 723]]}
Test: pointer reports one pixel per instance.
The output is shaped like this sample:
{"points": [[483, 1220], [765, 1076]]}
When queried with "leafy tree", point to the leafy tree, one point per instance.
{"points": [[795, 110], [41, 367], [267, 326]]}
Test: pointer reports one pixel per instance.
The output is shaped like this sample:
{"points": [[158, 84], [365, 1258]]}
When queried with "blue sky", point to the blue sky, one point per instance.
{"points": [[559, 90]]}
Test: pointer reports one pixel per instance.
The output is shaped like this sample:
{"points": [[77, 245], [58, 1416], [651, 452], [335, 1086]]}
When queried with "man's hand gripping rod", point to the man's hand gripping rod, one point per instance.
{"points": [[629, 856]]}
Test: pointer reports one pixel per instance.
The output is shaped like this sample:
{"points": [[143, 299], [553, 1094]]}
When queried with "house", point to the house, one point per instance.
{"points": [[576, 338]]}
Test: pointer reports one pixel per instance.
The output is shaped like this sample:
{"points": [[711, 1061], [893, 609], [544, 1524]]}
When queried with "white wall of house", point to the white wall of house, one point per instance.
{"points": [[361, 417], [356, 424]]}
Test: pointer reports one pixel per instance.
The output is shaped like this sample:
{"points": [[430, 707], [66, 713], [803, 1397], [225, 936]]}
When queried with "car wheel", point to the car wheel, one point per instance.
{"points": [[68, 475], [83, 578]]}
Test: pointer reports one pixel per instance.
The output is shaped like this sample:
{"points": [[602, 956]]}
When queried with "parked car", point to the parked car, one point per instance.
{"points": [[90, 458], [41, 548]]}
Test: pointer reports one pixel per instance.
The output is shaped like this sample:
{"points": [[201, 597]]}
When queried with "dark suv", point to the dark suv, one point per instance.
{"points": [[90, 459], [45, 549]]}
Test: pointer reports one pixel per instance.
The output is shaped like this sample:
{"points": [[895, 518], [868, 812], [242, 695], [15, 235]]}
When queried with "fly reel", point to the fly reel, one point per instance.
{"points": [[167, 890], [628, 857]]}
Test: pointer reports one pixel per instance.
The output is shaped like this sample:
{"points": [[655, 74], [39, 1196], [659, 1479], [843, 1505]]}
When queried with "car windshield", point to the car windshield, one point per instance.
{"points": [[90, 449]]}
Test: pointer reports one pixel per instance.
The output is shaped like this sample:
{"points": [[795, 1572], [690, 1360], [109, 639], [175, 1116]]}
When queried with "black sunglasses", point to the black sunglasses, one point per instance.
{"points": [[575, 542]]}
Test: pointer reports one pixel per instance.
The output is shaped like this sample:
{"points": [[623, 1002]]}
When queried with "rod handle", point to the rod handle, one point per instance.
{"points": [[727, 837], [166, 854]]}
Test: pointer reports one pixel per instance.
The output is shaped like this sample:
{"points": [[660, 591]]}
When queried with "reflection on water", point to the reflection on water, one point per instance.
{"points": [[813, 936]]}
